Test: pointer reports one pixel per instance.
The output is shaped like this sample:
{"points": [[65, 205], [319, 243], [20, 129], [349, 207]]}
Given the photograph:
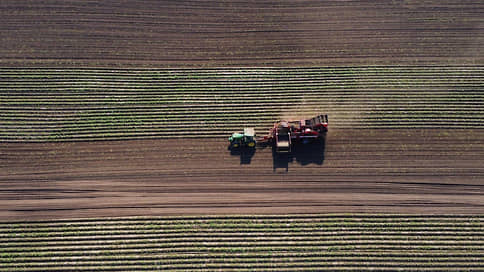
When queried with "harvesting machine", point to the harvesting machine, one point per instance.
{"points": [[285, 134]]}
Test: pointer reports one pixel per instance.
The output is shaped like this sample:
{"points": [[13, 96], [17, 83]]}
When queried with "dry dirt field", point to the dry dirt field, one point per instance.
{"points": [[374, 171], [240, 33]]}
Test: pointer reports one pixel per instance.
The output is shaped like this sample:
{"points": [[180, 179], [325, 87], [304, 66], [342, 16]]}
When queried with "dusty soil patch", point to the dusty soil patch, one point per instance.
{"points": [[401, 171]]}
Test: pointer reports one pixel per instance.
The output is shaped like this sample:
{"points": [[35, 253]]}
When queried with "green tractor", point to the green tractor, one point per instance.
{"points": [[245, 139]]}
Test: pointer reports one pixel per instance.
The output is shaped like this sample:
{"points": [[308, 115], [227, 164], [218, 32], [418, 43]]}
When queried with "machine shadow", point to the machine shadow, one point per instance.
{"points": [[303, 154], [245, 153]]}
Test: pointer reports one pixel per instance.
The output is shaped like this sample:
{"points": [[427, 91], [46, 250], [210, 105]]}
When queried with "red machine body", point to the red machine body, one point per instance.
{"points": [[284, 134]]}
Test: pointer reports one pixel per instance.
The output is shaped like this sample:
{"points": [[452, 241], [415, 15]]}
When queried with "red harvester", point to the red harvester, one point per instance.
{"points": [[284, 134]]}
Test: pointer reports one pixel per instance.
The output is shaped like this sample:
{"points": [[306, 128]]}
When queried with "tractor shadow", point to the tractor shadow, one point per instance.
{"points": [[303, 154], [245, 153]]}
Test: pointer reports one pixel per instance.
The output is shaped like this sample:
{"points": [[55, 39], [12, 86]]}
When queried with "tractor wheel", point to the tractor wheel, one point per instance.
{"points": [[251, 144]]}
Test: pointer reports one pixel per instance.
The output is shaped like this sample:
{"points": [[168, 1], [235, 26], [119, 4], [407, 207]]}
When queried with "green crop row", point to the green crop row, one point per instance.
{"points": [[265, 257], [259, 221], [212, 127], [157, 227], [79, 127], [271, 228], [254, 222], [216, 111], [55, 237], [86, 84], [294, 240], [240, 268], [214, 101], [314, 252], [173, 73], [258, 252], [255, 263], [323, 89]]}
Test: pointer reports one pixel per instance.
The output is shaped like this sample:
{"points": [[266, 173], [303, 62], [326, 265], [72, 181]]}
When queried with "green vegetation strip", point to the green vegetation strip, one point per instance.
{"points": [[333, 242], [42, 104]]}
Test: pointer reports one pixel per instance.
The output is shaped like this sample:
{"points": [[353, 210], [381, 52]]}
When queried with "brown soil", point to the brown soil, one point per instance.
{"points": [[240, 33], [402, 171]]}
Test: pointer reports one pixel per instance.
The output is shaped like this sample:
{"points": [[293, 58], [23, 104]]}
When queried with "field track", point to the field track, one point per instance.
{"points": [[212, 33]]}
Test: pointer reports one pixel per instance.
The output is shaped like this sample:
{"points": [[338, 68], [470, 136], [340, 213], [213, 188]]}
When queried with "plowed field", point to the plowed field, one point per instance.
{"points": [[240, 33], [403, 171]]}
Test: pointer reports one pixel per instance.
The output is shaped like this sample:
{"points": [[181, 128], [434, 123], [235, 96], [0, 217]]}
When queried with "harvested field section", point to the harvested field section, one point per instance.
{"points": [[398, 171], [240, 33], [87, 104], [247, 243]]}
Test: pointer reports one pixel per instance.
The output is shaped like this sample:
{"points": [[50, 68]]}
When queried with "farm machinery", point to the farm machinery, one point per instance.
{"points": [[243, 144], [284, 135], [289, 140], [244, 139]]}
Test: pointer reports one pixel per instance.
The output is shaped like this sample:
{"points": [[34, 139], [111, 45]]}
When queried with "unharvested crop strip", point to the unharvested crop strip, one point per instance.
{"points": [[403, 89]]}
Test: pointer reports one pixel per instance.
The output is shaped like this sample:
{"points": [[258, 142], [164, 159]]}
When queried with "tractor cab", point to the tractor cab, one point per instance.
{"points": [[245, 139]]}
